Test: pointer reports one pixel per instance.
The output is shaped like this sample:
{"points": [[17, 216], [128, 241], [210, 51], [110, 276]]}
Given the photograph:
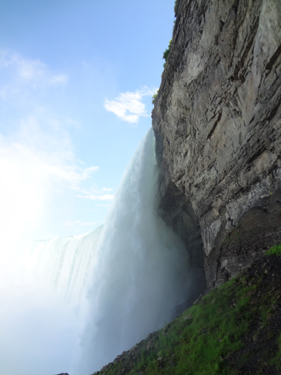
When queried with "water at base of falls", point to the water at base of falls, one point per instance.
{"points": [[86, 299]]}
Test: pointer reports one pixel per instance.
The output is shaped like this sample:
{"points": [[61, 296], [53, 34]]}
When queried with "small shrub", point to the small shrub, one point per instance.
{"points": [[167, 52], [154, 97]]}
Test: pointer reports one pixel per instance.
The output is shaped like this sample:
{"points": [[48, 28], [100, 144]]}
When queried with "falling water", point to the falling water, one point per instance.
{"points": [[141, 268], [75, 303], [64, 264], [42, 304]]}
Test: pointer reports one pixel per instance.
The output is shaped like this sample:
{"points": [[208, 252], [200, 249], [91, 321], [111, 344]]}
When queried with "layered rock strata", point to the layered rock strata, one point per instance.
{"points": [[217, 122]]}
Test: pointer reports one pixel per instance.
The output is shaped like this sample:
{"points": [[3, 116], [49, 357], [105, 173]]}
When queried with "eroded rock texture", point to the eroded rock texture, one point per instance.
{"points": [[217, 122]]}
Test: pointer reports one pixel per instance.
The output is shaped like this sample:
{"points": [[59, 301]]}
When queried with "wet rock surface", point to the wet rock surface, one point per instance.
{"points": [[217, 123]]}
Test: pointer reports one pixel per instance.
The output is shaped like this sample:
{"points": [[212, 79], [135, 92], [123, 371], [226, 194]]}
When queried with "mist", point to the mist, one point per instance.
{"points": [[72, 304]]}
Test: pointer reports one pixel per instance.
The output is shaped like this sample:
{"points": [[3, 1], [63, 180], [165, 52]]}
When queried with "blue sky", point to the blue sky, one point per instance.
{"points": [[76, 81]]}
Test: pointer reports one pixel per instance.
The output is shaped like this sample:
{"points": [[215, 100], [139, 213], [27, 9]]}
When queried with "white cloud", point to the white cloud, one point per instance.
{"points": [[96, 194], [19, 75], [38, 169], [98, 197], [42, 138], [129, 106], [41, 176]]}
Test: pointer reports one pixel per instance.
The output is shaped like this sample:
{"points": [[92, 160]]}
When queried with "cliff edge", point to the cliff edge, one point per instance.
{"points": [[217, 123]]}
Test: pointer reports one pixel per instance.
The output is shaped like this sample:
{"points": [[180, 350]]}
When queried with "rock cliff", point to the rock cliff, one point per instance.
{"points": [[217, 123]]}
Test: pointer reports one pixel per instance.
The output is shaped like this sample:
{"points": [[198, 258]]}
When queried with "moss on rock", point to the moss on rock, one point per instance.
{"points": [[233, 330]]}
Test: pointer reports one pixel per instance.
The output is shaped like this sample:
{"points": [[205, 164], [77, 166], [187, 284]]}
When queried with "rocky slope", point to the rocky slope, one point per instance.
{"points": [[217, 122], [233, 330]]}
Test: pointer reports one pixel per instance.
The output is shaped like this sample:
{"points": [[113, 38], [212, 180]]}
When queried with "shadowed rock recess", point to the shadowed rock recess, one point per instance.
{"points": [[217, 122]]}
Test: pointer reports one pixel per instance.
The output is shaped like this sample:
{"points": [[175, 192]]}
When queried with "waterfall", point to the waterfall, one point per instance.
{"points": [[141, 269], [42, 304], [65, 264], [73, 304]]}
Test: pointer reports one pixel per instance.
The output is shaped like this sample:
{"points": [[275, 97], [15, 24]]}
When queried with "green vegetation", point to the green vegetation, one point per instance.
{"points": [[167, 52], [211, 337], [154, 97], [175, 7], [199, 339], [274, 250]]}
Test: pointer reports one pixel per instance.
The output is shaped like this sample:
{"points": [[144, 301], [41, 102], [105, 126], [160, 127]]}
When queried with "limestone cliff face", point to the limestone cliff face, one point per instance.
{"points": [[217, 122]]}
